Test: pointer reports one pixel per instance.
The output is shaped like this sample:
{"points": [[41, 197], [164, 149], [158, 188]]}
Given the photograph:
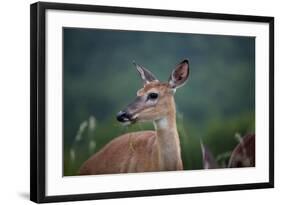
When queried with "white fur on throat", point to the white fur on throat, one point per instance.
{"points": [[161, 123]]}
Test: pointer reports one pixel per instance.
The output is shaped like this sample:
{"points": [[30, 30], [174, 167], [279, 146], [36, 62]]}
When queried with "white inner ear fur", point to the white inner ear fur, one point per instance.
{"points": [[174, 86], [142, 74]]}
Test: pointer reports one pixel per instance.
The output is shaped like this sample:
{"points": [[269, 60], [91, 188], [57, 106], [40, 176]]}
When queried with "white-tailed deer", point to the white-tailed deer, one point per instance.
{"points": [[145, 151]]}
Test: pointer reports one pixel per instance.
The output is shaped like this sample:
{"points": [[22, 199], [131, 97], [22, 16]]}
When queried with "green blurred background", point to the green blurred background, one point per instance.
{"points": [[217, 102]]}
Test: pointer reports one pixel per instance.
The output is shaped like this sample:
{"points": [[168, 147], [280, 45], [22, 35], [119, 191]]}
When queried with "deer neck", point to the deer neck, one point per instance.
{"points": [[168, 140]]}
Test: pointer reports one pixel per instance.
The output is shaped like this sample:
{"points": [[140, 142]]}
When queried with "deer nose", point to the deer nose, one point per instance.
{"points": [[122, 116]]}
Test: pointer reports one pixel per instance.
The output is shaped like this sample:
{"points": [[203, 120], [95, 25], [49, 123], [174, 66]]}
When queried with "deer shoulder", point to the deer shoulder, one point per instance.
{"points": [[130, 152]]}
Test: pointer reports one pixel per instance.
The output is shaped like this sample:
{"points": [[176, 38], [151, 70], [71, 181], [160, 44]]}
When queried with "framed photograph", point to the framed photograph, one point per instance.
{"points": [[129, 102]]}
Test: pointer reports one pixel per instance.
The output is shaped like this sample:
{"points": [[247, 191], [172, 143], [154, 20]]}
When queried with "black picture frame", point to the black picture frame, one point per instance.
{"points": [[38, 100]]}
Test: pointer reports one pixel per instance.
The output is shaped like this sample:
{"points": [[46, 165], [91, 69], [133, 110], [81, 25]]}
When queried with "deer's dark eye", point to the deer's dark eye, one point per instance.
{"points": [[152, 96]]}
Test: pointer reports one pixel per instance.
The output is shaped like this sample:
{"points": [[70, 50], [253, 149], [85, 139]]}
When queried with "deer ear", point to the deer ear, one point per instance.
{"points": [[179, 75], [145, 74]]}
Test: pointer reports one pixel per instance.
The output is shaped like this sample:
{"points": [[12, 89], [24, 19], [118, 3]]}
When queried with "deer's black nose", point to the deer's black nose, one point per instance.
{"points": [[122, 116]]}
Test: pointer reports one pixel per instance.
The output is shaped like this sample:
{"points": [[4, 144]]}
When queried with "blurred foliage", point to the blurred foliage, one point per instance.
{"points": [[99, 80]]}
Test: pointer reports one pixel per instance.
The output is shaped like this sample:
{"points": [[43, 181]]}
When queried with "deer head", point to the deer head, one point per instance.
{"points": [[155, 100]]}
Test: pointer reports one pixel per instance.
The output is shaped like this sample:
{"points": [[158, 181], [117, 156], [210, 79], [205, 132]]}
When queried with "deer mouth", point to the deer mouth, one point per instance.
{"points": [[126, 118], [130, 121]]}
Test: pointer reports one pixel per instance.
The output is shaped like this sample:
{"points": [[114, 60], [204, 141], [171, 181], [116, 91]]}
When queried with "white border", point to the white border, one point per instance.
{"points": [[58, 185]]}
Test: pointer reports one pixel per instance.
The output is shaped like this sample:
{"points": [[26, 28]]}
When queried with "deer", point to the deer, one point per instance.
{"points": [[149, 150]]}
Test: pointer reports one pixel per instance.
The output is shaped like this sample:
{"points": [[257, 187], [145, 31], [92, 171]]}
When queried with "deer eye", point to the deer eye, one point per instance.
{"points": [[152, 96]]}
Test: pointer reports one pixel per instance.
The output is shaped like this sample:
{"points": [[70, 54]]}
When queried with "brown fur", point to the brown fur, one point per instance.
{"points": [[132, 152], [153, 85]]}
